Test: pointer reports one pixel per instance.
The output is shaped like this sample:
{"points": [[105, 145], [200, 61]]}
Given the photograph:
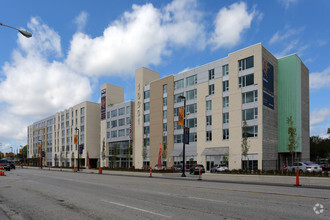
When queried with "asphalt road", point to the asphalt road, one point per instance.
{"points": [[43, 194]]}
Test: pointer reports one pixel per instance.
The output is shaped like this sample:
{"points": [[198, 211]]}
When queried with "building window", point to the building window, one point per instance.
{"points": [[146, 130], [211, 74], [177, 99], [67, 123], [113, 134], [164, 114], [208, 135], [108, 134], [127, 131], [178, 138], [164, 126], [82, 129], [225, 101], [211, 89], [121, 111], [247, 80], [208, 120], [178, 84], [146, 106], [128, 120], [250, 114], [121, 122], [176, 112], [192, 123], [165, 101], [248, 97], [192, 94], [82, 120], [121, 133], [225, 85], [225, 134], [209, 105], [193, 137], [108, 114], [191, 108], [165, 89], [251, 131], [82, 111], [164, 139], [225, 70], [128, 110], [177, 126], [147, 94], [245, 63], [114, 113], [192, 80], [146, 118], [147, 141], [225, 118], [114, 124]]}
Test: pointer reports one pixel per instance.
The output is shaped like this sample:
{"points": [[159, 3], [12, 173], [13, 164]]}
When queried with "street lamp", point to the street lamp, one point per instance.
{"points": [[77, 129], [25, 33], [184, 141]]}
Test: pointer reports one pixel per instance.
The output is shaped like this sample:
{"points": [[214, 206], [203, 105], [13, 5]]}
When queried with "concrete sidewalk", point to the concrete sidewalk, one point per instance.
{"points": [[310, 182]]}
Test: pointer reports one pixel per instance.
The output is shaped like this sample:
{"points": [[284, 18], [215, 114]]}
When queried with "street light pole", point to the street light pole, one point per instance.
{"points": [[25, 33], [77, 129], [184, 136]]}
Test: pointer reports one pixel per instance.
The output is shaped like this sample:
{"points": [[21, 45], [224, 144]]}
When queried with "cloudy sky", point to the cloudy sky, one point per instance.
{"points": [[77, 47]]}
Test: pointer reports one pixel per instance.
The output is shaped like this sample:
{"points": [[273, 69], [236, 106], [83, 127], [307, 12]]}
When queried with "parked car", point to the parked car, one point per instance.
{"points": [[161, 168], [5, 164], [12, 164], [305, 167], [195, 169], [177, 167], [219, 168]]}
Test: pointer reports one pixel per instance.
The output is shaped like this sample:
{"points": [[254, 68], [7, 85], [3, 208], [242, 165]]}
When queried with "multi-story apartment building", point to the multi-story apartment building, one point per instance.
{"points": [[249, 85], [56, 133]]}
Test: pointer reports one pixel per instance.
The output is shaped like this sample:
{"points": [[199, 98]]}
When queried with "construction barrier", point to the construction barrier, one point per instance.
{"points": [[150, 172], [75, 169], [200, 175], [297, 177], [100, 170], [2, 170]]}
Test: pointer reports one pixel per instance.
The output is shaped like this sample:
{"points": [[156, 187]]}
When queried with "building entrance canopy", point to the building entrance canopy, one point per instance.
{"points": [[215, 151]]}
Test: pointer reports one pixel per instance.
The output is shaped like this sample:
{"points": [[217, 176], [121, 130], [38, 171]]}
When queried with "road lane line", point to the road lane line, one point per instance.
{"points": [[210, 200], [131, 207]]}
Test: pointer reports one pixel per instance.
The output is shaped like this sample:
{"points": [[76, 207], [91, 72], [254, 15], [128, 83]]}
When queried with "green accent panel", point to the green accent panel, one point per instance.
{"points": [[289, 99]]}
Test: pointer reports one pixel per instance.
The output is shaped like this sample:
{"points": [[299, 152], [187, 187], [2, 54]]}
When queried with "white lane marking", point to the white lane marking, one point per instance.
{"points": [[131, 207], [210, 200]]}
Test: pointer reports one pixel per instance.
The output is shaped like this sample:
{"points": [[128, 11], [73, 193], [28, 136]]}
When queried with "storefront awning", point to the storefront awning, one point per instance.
{"points": [[215, 151], [176, 153]]}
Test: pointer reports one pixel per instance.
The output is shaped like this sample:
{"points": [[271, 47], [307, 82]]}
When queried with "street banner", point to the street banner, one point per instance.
{"points": [[75, 139], [181, 116], [160, 157]]}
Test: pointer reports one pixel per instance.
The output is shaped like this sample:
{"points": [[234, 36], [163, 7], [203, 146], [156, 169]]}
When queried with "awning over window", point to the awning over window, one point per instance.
{"points": [[215, 151], [176, 153]]}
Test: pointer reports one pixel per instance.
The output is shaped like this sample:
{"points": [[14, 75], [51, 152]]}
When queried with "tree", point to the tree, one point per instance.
{"points": [[144, 150], [114, 156], [319, 148], [245, 145], [292, 136], [72, 159], [164, 152]]}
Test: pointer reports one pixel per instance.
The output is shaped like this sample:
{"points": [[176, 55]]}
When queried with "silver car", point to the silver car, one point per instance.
{"points": [[219, 168], [305, 167]]}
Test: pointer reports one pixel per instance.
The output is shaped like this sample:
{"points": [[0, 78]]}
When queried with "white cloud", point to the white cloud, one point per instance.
{"points": [[230, 24], [319, 116], [320, 80], [33, 87], [287, 3], [284, 34], [81, 20], [140, 38]]}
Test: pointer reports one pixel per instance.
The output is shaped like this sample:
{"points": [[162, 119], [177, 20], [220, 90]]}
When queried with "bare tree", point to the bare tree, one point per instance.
{"points": [[245, 145], [292, 136]]}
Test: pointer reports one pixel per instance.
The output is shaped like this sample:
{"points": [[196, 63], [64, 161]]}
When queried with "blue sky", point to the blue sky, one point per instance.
{"points": [[79, 45]]}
